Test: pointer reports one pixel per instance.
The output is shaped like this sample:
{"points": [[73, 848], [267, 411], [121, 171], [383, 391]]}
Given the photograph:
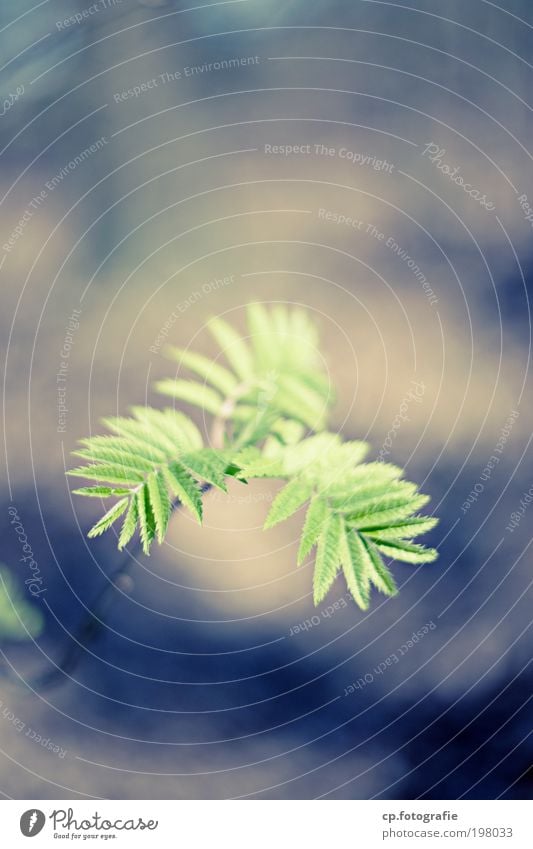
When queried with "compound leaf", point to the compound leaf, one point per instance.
{"points": [[328, 557]]}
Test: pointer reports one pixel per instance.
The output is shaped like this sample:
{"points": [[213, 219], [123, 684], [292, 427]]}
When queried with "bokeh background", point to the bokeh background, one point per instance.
{"points": [[192, 686]]}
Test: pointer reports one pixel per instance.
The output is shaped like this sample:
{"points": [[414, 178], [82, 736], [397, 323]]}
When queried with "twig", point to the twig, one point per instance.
{"points": [[92, 623]]}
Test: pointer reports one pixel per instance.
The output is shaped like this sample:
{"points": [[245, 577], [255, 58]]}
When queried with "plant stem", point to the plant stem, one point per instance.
{"points": [[92, 623], [218, 428]]}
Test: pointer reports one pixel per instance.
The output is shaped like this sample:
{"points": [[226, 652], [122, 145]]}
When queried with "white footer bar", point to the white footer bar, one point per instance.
{"points": [[267, 824]]}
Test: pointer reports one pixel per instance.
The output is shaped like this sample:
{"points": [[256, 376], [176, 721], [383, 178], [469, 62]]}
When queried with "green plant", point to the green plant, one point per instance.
{"points": [[18, 619], [269, 406]]}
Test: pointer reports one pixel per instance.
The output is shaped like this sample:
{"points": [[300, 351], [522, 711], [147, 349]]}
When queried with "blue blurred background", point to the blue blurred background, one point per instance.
{"points": [[141, 187]]}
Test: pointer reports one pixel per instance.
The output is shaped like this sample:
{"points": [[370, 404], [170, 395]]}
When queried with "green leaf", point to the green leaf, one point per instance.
{"points": [[287, 501], [339, 459], [297, 386], [145, 430], [244, 413], [290, 403], [184, 487], [270, 401], [99, 491], [380, 576], [173, 429], [313, 526], [254, 464], [256, 428], [287, 431], [136, 447], [193, 393], [233, 347], [328, 557], [406, 529], [18, 619], [281, 322], [302, 328], [108, 474], [386, 511], [356, 565], [409, 552], [124, 459], [305, 457], [213, 373], [146, 518], [129, 525], [364, 499], [364, 475], [262, 337], [208, 465], [111, 516], [183, 429], [159, 502]]}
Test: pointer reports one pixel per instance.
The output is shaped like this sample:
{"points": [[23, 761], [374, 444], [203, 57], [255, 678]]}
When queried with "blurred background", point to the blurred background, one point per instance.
{"points": [[146, 184]]}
